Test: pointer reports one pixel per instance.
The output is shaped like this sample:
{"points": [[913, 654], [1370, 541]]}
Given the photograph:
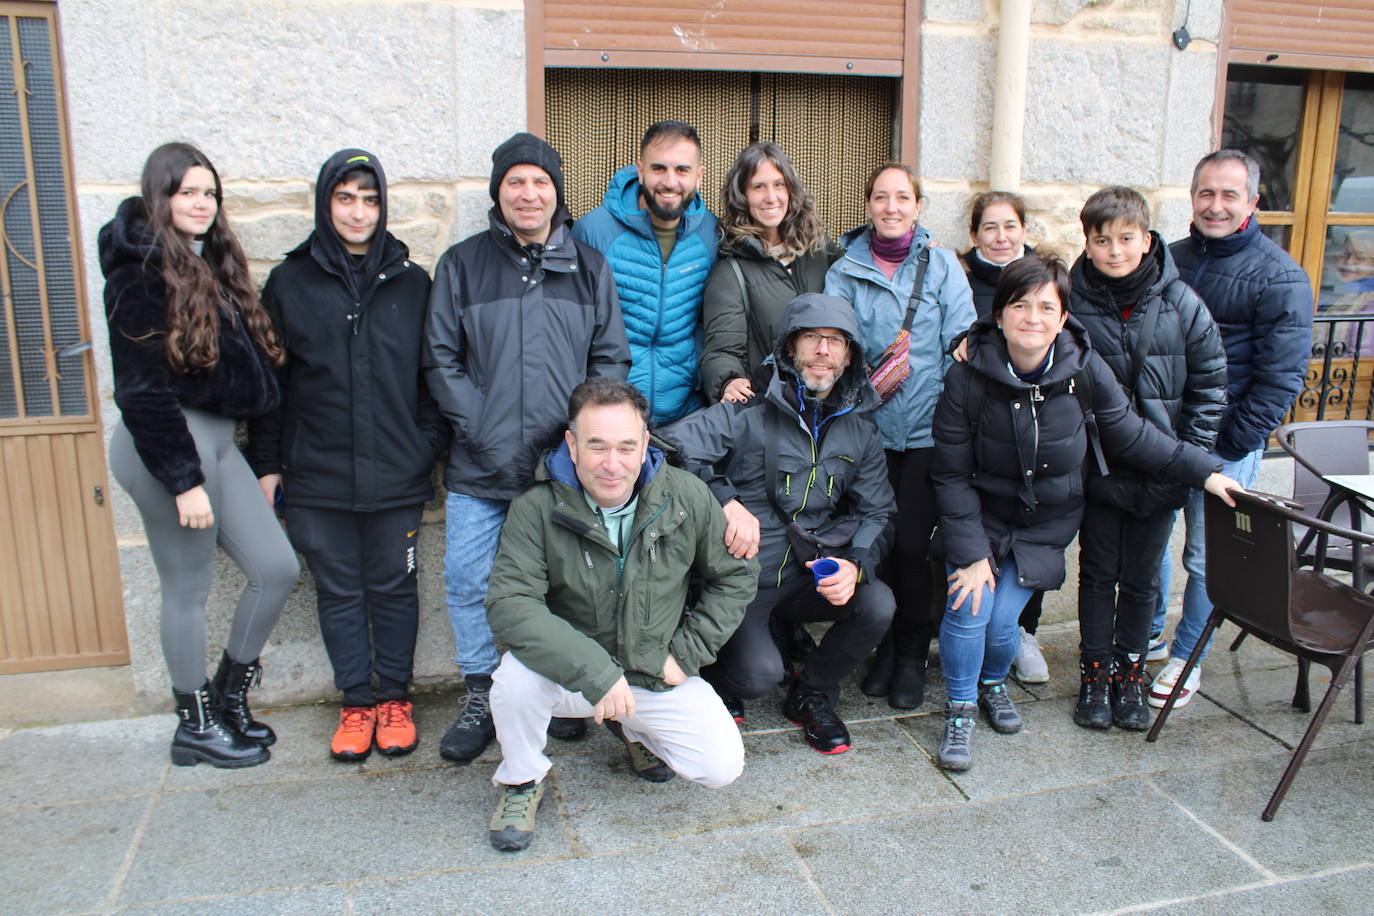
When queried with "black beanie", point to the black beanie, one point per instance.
{"points": [[526, 149]]}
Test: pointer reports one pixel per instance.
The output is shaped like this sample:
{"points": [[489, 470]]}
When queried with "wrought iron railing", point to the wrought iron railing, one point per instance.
{"points": [[1340, 372]]}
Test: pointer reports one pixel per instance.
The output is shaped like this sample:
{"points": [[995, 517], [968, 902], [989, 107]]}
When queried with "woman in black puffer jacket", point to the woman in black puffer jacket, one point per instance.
{"points": [[1012, 435], [997, 229]]}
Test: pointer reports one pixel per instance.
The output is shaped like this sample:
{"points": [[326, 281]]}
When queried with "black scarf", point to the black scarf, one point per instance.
{"points": [[1126, 292]]}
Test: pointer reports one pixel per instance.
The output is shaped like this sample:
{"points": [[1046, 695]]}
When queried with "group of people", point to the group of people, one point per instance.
{"points": [[674, 439]]}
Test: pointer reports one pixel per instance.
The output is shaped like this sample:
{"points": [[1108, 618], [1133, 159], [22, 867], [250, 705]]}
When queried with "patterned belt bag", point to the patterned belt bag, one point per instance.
{"points": [[894, 365]]}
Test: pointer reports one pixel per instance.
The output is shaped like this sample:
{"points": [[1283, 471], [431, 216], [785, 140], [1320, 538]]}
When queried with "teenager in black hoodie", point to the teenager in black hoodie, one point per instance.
{"points": [[354, 443]]}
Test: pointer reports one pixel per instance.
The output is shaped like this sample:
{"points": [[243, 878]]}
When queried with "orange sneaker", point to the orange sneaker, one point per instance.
{"points": [[353, 738], [396, 728]]}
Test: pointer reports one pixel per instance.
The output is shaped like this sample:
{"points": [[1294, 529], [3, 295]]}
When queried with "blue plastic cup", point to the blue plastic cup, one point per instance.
{"points": [[824, 569]]}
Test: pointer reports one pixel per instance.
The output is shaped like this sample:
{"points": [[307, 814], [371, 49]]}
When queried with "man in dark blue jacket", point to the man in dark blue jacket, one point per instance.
{"points": [[1261, 301]]}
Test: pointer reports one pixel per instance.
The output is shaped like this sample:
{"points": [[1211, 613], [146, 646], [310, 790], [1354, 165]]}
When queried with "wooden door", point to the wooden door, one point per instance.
{"points": [[60, 596]]}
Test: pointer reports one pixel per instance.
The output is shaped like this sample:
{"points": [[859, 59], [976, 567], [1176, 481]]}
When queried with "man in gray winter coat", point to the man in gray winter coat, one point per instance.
{"points": [[520, 314], [801, 476]]}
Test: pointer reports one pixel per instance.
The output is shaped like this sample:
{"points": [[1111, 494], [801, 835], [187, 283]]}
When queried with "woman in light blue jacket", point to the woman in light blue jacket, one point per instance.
{"points": [[877, 273]]}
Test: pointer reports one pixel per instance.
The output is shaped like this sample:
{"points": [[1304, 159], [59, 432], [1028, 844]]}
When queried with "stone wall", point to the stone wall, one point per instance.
{"points": [[268, 89], [1109, 101]]}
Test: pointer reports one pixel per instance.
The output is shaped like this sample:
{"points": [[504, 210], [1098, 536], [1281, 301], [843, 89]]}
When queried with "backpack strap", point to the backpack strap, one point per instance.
{"points": [[922, 262], [771, 431], [1142, 343], [1081, 384]]}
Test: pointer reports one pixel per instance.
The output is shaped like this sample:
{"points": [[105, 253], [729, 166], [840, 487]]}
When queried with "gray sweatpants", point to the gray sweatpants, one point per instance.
{"points": [[245, 527]]}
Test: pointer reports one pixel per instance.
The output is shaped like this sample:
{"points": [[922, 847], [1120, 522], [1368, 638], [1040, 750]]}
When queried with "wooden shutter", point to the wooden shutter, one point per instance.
{"points": [[1316, 34], [759, 35]]}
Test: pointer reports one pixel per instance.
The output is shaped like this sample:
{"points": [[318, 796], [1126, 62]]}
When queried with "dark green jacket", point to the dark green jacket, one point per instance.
{"points": [[563, 599], [733, 348]]}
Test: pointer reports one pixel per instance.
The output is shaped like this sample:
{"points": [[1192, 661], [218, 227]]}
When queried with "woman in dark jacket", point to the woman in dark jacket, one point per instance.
{"points": [[997, 228], [193, 352], [774, 248], [1012, 433]]}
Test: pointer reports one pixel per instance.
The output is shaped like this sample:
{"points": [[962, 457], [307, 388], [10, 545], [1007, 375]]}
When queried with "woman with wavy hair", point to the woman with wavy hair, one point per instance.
{"points": [[194, 351], [773, 249]]}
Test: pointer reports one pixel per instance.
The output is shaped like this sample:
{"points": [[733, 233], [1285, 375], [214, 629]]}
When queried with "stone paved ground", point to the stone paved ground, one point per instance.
{"points": [[1052, 820]]}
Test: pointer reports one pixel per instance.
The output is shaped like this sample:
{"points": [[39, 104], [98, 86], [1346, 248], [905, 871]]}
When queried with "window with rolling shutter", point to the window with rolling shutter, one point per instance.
{"points": [[859, 40], [768, 35], [1330, 35]]}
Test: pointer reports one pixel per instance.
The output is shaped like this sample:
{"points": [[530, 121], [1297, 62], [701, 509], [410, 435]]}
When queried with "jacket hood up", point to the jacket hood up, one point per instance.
{"points": [[128, 238], [324, 243], [817, 310]]}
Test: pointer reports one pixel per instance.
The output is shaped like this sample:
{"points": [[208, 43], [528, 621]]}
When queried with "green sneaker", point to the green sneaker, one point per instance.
{"points": [[512, 826], [646, 764]]}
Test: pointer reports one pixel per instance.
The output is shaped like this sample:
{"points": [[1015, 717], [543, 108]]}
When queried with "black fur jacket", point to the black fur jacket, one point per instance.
{"points": [[150, 394]]}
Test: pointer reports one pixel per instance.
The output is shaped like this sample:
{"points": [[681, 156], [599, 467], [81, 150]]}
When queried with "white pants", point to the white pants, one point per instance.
{"points": [[687, 726]]}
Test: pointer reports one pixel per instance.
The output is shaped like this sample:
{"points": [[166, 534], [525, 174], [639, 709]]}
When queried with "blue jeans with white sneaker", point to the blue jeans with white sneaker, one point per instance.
{"points": [[472, 531], [983, 646], [1196, 606]]}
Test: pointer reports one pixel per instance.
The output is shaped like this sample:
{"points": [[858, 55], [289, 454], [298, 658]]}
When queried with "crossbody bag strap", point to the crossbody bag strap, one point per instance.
{"points": [[922, 262]]}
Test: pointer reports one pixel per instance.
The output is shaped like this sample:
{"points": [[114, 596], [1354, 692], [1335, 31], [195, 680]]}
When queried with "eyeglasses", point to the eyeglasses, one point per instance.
{"points": [[812, 339]]}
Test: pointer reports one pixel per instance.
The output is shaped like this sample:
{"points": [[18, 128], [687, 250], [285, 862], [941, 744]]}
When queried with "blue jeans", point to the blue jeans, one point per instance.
{"points": [[1196, 606], [983, 646], [472, 529]]}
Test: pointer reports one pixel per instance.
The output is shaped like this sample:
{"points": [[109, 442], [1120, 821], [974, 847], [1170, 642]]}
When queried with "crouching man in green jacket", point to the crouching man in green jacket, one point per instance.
{"points": [[589, 595]]}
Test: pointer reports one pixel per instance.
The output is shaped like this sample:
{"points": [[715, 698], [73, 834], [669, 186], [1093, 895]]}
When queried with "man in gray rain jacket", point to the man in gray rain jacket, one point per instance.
{"points": [[801, 476]]}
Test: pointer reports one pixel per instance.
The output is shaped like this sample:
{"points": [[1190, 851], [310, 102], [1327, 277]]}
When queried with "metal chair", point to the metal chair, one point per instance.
{"points": [[1319, 448], [1255, 581], [1343, 447]]}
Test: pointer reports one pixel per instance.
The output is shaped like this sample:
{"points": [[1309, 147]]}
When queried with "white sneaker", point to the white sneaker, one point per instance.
{"points": [[1164, 684], [1030, 661], [1159, 648]]}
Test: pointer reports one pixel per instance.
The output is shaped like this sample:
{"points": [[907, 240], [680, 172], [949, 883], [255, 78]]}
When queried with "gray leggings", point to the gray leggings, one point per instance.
{"points": [[244, 526]]}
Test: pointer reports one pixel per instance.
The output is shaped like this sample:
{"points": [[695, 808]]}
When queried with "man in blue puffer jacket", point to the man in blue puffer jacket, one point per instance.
{"points": [[660, 241], [1261, 301]]}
